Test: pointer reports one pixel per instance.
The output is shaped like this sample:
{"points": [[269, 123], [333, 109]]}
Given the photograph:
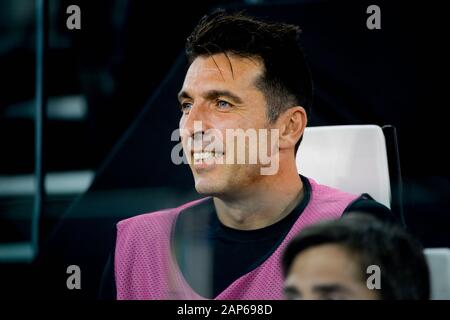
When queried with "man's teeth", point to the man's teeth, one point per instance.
{"points": [[206, 155]]}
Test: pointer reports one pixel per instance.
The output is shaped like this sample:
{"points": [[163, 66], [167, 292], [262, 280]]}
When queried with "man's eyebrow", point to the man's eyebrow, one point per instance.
{"points": [[214, 94], [183, 94], [329, 288]]}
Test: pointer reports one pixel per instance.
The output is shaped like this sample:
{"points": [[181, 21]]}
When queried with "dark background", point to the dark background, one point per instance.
{"points": [[126, 64]]}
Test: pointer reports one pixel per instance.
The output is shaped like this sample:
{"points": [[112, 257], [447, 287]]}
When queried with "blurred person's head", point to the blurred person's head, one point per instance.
{"points": [[244, 74], [332, 260]]}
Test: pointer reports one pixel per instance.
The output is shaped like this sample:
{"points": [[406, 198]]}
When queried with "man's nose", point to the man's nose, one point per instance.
{"points": [[196, 121]]}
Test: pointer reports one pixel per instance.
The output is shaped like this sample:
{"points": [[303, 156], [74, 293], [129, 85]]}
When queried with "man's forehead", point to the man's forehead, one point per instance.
{"points": [[224, 68], [198, 71]]}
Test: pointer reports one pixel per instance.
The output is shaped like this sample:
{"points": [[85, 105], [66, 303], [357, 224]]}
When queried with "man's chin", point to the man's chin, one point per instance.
{"points": [[206, 187]]}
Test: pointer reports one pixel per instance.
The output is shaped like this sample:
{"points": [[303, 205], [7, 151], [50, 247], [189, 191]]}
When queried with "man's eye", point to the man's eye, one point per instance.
{"points": [[223, 104], [185, 107]]}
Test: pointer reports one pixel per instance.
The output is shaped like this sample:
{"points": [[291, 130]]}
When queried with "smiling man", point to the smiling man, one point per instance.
{"points": [[249, 77], [221, 92]]}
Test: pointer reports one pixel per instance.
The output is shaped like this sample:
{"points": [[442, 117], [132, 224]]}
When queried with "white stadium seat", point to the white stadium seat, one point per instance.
{"points": [[439, 263], [351, 158]]}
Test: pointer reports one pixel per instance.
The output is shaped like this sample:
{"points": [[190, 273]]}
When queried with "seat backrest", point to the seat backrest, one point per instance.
{"points": [[439, 264], [352, 158]]}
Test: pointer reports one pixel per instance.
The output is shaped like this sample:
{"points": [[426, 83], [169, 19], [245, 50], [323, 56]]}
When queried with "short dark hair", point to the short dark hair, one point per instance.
{"points": [[404, 270], [286, 80]]}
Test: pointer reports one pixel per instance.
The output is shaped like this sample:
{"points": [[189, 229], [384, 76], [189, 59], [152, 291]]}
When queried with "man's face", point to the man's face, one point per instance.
{"points": [[327, 272], [221, 93]]}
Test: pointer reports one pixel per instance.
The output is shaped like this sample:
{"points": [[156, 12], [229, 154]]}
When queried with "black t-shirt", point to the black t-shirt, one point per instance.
{"points": [[212, 256]]}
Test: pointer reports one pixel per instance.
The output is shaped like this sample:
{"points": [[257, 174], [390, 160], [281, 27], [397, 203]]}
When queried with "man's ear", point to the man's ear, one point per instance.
{"points": [[291, 123]]}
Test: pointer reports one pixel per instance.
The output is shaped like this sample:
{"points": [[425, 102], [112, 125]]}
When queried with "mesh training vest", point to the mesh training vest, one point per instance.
{"points": [[146, 269]]}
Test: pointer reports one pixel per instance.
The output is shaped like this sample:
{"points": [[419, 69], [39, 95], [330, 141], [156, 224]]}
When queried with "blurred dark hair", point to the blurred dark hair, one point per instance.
{"points": [[286, 81], [404, 270]]}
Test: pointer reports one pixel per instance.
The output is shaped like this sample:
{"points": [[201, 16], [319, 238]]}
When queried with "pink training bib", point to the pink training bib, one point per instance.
{"points": [[146, 269]]}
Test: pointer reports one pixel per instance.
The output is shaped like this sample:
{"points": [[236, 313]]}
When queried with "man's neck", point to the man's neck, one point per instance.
{"points": [[265, 205]]}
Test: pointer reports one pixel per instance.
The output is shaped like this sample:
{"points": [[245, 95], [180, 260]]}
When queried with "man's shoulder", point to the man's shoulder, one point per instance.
{"points": [[366, 204], [147, 218], [355, 203], [153, 220]]}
